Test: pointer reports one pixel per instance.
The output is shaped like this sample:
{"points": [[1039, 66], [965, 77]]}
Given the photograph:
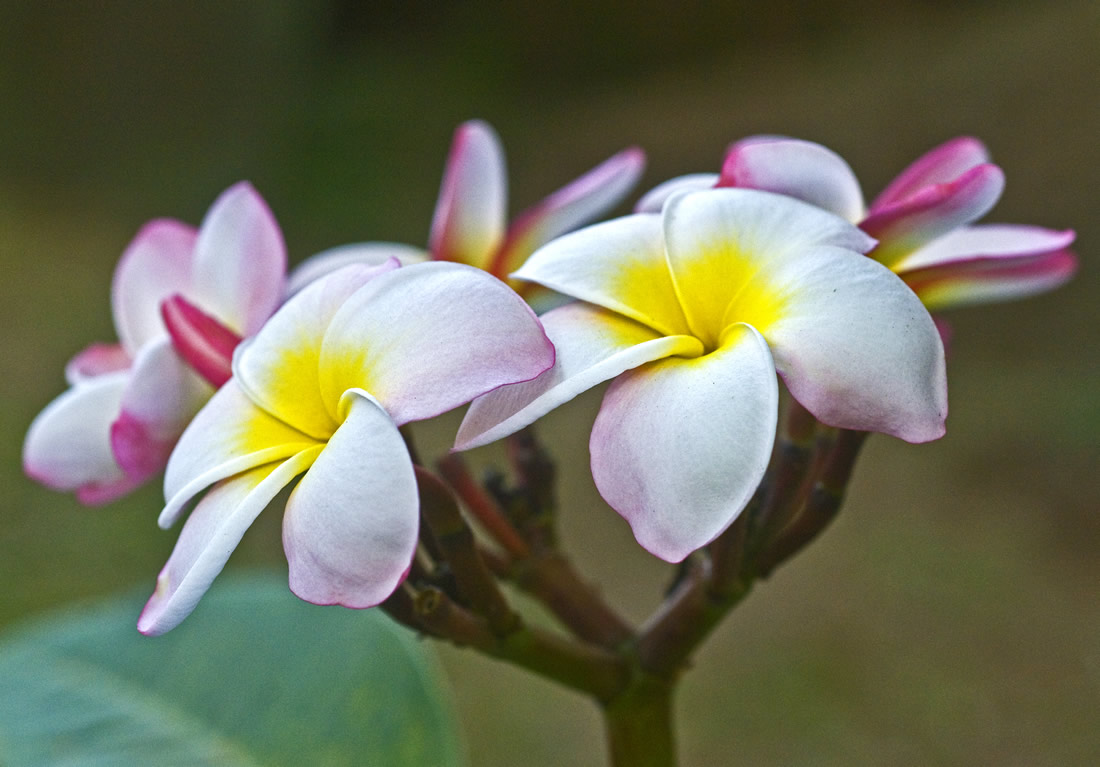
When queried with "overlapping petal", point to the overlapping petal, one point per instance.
{"points": [[156, 264], [279, 367], [593, 345], [469, 219], [364, 253], [230, 435], [630, 275], [211, 534], [239, 270], [680, 445], [800, 169], [351, 524], [96, 360], [1005, 241], [427, 338], [653, 200], [984, 278], [940, 165]]}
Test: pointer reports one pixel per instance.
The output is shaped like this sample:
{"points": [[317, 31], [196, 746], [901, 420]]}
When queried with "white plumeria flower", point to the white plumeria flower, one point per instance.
{"points": [[321, 391], [923, 220], [692, 313], [129, 402], [470, 223]]}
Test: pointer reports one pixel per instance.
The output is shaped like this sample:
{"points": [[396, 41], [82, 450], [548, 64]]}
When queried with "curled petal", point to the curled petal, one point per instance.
{"points": [[986, 279], [203, 342], [68, 445], [210, 535], [904, 226], [351, 524], [941, 165], [240, 260], [430, 337], [230, 435], [279, 367], [800, 169], [619, 265], [593, 345], [680, 445], [987, 241], [653, 200], [468, 224], [575, 204], [857, 348], [96, 360], [363, 253], [156, 264], [162, 396]]}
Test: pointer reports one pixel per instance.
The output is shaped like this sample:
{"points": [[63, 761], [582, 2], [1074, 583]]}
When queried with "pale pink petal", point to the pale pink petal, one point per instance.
{"points": [[653, 200], [210, 535], [619, 265], [941, 165], [932, 212], [575, 204], [593, 345], [800, 169], [680, 445], [364, 253], [984, 279], [96, 360], [857, 348], [162, 396], [239, 269], [279, 367], [68, 445], [156, 264], [427, 338], [987, 241], [351, 524], [468, 224], [228, 436]]}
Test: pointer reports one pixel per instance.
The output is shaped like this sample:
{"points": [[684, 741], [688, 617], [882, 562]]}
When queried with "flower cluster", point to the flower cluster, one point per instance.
{"points": [[690, 307]]}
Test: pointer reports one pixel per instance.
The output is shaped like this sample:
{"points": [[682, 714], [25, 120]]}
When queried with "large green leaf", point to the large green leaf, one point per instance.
{"points": [[255, 678]]}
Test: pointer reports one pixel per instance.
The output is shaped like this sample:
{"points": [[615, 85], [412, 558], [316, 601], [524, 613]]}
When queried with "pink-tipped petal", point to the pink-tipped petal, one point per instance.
{"points": [[156, 264], [203, 342], [351, 524], [279, 367], [96, 360], [987, 279], [162, 396], [230, 435], [932, 212], [653, 200], [427, 338], [468, 224], [799, 169], [593, 345], [857, 348], [210, 535], [68, 445], [575, 204], [987, 241], [239, 269], [680, 445], [941, 165], [362, 253]]}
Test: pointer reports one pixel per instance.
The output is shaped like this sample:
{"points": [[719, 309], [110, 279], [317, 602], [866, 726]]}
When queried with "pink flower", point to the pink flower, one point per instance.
{"points": [[129, 402], [923, 220]]}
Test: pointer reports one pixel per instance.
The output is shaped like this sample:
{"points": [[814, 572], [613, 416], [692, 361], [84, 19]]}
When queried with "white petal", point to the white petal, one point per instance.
{"points": [[680, 445], [240, 261], [427, 338], [364, 253], [210, 535], [987, 240], [653, 200], [351, 524], [593, 345]]}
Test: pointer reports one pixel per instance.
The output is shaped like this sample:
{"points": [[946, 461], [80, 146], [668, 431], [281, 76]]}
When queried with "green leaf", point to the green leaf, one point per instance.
{"points": [[254, 678]]}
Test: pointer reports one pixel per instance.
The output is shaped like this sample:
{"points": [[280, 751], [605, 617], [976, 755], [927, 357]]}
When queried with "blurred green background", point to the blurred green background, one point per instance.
{"points": [[950, 617]]}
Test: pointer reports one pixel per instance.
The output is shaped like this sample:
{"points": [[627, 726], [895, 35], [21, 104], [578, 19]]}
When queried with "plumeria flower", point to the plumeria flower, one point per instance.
{"points": [[692, 313], [320, 391], [923, 220], [129, 402], [470, 221]]}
